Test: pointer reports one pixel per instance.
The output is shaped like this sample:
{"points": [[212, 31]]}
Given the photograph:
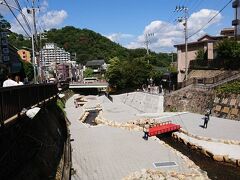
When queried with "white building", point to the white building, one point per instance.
{"points": [[51, 54]]}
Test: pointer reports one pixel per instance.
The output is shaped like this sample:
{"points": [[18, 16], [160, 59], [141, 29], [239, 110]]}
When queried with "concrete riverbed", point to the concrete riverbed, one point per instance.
{"points": [[115, 149]]}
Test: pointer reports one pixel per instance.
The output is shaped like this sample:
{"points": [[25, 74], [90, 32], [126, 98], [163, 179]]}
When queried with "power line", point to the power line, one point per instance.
{"points": [[210, 19], [16, 17], [24, 17]]}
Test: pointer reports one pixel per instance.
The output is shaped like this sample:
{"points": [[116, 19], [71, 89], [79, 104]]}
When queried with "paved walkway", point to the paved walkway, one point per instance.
{"points": [[218, 128], [103, 152], [118, 111]]}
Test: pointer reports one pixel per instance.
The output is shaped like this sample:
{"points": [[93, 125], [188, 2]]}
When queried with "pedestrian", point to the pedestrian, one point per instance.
{"points": [[146, 130], [17, 79], [9, 82], [207, 118]]}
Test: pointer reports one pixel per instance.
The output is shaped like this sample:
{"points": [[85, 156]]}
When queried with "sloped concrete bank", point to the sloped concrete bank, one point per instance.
{"points": [[144, 102], [35, 148]]}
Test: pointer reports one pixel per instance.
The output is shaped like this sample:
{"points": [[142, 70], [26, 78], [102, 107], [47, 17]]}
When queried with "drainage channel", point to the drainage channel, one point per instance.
{"points": [[214, 169], [91, 118]]}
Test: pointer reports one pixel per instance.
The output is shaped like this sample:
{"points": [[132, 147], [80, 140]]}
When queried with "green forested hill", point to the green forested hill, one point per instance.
{"points": [[86, 43], [89, 45]]}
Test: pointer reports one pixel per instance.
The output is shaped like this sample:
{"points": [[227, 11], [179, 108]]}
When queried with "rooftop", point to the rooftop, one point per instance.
{"points": [[95, 63]]}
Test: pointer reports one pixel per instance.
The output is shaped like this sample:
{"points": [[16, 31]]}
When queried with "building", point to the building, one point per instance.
{"points": [[236, 21], [63, 72], [97, 65], [9, 58], [25, 55], [51, 54], [206, 43]]}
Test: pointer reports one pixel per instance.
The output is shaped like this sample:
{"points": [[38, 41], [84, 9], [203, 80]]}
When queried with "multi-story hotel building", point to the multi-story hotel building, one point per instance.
{"points": [[51, 55]]}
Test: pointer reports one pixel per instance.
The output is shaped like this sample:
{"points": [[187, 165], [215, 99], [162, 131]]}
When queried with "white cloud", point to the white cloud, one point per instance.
{"points": [[167, 34], [45, 19], [53, 18], [116, 37], [4, 9]]}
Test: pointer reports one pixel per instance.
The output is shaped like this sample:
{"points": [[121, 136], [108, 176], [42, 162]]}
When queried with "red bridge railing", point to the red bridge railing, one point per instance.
{"points": [[14, 99]]}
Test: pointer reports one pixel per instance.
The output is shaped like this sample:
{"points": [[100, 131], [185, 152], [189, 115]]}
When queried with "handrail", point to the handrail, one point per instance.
{"points": [[14, 99], [211, 80]]}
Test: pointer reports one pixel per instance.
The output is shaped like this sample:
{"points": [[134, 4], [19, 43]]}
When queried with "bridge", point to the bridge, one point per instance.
{"points": [[90, 85]]}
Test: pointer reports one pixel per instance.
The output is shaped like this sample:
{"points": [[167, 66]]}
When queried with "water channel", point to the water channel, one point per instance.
{"points": [[91, 118], [214, 169]]}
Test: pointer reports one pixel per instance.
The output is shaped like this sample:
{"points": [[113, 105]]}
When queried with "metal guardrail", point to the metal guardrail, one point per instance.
{"points": [[211, 80], [14, 99]]}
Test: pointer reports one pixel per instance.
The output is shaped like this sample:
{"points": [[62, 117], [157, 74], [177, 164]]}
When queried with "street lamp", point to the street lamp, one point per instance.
{"points": [[33, 50]]}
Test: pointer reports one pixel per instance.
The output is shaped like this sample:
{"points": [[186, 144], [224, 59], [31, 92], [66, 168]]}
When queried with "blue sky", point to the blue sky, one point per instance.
{"points": [[127, 21]]}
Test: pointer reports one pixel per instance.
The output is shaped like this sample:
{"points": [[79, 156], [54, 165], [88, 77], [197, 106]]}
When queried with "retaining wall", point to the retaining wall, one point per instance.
{"points": [[32, 148], [198, 100], [145, 102], [190, 99], [227, 106]]}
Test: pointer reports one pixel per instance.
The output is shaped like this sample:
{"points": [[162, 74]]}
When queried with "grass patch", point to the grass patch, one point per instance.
{"points": [[61, 105], [229, 88]]}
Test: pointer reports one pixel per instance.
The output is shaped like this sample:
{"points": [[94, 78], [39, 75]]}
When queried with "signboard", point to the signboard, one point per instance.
{"points": [[4, 50]]}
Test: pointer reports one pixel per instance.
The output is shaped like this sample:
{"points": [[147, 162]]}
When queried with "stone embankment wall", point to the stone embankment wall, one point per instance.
{"points": [[33, 148], [198, 100], [227, 106], [145, 102], [188, 99]]}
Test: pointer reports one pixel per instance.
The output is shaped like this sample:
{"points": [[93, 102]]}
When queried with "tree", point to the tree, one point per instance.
{"points": [[228, 54], [28, 70], [201, 58], [88, 72], [123, 74], [114, 74], [6, 24]]}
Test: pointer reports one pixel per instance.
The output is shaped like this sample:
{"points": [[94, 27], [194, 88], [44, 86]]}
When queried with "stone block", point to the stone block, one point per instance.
{"points": [[218, 108], [225, 101], [218, 158], [226, 110], [234, 111], [233, 102], [216, 100]]}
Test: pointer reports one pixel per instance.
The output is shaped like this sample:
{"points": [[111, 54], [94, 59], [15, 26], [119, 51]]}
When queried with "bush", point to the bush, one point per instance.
{"points": [[229, 88]]}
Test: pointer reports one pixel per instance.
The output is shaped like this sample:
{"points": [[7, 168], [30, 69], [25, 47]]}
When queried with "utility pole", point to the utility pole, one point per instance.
{"points": [[147, 42], [42, 63], [34, 32], [185, 23]]}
